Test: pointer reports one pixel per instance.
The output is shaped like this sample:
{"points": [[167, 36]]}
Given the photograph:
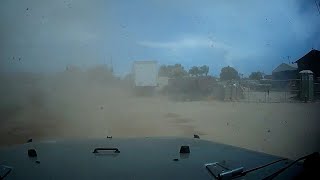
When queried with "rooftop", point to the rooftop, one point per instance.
{"points": [[285, 67], [312, 55]]}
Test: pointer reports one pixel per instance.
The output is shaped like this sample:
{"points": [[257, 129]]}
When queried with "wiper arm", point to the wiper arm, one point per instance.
{"points": [[221, 172], [260, 167], [4, 171], [313, 155], [237, 173]]}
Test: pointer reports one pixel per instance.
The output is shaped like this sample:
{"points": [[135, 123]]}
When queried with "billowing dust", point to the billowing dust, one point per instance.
{"points": [[75, 105]]}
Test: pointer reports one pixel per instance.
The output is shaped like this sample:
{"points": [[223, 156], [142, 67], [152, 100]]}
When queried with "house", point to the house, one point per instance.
{"points": [[267, 76], [284, 72], [310, 61]]}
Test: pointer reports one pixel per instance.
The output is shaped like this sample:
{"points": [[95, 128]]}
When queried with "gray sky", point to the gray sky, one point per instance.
{"points": [[250, 35]]}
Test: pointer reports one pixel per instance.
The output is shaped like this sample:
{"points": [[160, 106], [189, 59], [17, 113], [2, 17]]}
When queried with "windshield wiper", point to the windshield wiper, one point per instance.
{"points": [[239, 172], [234, 173], [314, 155], [4, 171]]}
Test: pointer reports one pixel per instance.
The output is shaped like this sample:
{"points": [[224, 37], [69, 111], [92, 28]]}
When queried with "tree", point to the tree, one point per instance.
{"points": [[229, 73], [204, 70], [194, 71], [178, 71], [256, 75], [163, 71], [172, 71]]}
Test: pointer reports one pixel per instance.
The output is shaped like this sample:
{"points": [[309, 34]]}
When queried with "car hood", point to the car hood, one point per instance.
{"points": [[139, 158]]}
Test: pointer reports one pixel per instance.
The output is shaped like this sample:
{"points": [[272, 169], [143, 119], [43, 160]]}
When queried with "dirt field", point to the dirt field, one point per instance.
{"points": [[73, 109]]}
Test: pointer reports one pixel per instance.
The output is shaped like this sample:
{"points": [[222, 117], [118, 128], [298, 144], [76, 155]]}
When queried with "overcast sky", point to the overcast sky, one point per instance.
{"points": [[47, 35]]}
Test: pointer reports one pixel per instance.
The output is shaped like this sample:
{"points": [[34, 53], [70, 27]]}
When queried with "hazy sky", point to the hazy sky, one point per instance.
{"points": [[47, 35]]}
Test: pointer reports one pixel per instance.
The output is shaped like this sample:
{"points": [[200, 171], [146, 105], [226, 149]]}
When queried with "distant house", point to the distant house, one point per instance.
{"points": [[310, 61], [267, 76], [284, 72]]}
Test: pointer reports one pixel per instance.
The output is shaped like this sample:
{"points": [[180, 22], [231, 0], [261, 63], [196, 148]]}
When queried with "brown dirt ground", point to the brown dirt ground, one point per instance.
{"points": [[288, 130]]}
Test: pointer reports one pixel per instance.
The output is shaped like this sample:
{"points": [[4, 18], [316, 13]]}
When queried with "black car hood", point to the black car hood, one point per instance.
{"points": [[139, 158]]}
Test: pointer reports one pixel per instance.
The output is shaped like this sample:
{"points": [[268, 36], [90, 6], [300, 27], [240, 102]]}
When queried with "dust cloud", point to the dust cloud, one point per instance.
{"points": [[90, 104]]}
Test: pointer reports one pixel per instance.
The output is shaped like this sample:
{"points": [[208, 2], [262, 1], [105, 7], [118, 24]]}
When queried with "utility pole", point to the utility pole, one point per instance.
{"points": [[111, 63]]}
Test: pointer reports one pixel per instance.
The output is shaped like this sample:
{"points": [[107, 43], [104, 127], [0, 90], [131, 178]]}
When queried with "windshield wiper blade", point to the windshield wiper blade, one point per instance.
{"points": [[275, 174], [260, 167], [221, 172], [257, 168], [234, 173]]}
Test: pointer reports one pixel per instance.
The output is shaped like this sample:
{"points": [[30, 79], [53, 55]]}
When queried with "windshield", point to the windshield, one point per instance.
{"points": [[240, 73]]}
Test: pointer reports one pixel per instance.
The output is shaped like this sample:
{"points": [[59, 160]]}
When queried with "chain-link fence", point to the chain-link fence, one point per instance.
{"points": [[264, 91], [270, 91], [316, 87]]}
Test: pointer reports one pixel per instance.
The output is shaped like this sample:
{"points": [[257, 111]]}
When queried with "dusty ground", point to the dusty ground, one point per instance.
{"points": [[78, 110]]}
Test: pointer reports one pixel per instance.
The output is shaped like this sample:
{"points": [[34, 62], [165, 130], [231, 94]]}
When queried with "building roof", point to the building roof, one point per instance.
{"points": [[310, 56], [284, 67]]}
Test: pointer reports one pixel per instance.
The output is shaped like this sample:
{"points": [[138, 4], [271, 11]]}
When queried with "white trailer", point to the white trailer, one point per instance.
{"points": [[145, 76]]}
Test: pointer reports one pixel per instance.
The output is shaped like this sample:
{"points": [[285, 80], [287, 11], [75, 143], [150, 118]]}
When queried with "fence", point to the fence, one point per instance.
{"points": [[266, 91], [271, 91], [317, 89]]}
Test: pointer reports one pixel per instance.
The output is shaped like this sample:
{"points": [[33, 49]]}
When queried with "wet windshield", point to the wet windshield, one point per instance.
{"points": [[240, 73]]}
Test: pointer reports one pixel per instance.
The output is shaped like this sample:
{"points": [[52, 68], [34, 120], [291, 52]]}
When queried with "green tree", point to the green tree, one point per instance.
{"points": [[229, 73], [163, 71], [204, 70], [194, 71], [178, 71], [172, 71], [256, 75]]}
